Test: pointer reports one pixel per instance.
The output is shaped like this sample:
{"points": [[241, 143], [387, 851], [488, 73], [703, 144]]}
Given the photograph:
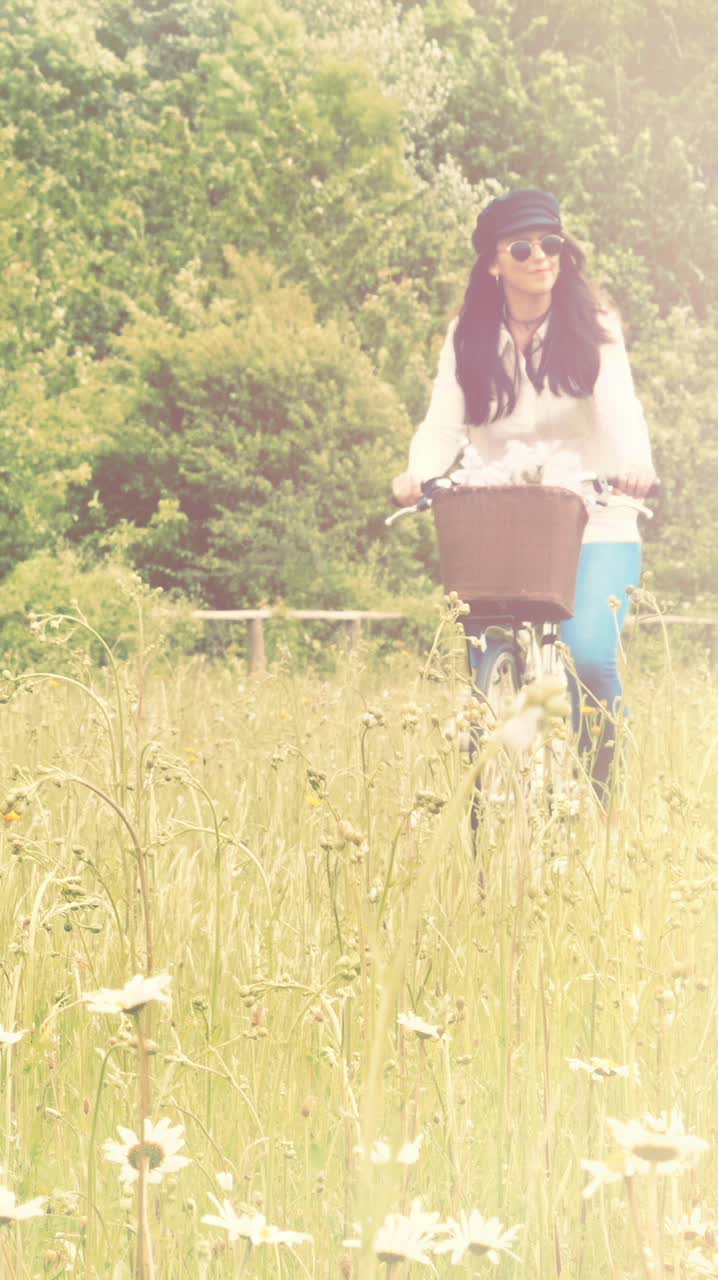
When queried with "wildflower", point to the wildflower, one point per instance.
{"points": [[355, 1241], [407, 1238], [161, 1145], [699, 1264], [131, 998], [250, 1226], [602, 1068], [410, 1151], [424, 1030], [380, 1152], [11, 1211], [10, 1037], [238, 1227], [476, 1234], [518, 732], [694, 1227], [225, 1180], [604, 1173], [10, 816], [657, 1140], [61, 1257]]}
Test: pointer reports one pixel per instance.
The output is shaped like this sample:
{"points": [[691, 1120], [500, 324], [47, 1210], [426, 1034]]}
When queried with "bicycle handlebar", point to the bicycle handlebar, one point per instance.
{"points": [[604, 487]]}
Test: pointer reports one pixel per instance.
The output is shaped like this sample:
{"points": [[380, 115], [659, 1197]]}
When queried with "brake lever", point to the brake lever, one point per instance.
{"points": [[422, 505]]}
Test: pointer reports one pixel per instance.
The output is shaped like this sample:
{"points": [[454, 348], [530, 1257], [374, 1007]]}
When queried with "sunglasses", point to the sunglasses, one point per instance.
{"points": [[521, 250]]}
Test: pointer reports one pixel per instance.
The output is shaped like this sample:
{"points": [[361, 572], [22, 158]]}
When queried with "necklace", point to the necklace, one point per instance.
{"points": [[527, 324]]}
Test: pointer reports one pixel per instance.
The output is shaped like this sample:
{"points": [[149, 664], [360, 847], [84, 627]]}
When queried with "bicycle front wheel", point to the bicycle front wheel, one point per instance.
{"points": [[496, 676], [496, 679]]}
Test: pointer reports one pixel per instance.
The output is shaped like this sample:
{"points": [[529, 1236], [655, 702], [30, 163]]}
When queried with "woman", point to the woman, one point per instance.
{"points": [[535, 358]]}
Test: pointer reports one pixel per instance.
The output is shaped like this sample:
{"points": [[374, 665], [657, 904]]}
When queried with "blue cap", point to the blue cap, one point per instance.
{"points": [[518, 211]]}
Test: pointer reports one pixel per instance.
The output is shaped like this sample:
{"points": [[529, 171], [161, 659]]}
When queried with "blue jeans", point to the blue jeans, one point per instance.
{"points": [[605, 569]]}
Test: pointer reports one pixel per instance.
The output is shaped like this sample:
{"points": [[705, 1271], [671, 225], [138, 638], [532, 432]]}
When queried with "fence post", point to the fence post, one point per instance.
{"points": [[354, 634], [256, 656], [712, 645]]}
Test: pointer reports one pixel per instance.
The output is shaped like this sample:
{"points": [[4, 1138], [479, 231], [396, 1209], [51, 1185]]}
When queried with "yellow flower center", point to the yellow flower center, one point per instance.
{"points": [[655, 1152], [151, 1151]]}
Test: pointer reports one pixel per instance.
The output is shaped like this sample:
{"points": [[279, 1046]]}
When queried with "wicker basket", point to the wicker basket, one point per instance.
{"points": [[511, 550]]}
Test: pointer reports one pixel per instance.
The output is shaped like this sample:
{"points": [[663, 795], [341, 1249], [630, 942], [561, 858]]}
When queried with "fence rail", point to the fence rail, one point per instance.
{"points": [[710, 628], [353, 620], [255, 619]]}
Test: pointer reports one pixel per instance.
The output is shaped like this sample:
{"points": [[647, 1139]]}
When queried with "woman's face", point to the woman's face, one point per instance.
{"points": [[537, 275]]}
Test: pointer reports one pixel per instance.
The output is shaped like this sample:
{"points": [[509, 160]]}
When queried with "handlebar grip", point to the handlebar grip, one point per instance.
{"points": [[654, 492], [437, 482]]}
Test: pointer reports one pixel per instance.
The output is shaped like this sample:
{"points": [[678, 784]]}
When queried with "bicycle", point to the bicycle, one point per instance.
{"points": [[513, 644]]}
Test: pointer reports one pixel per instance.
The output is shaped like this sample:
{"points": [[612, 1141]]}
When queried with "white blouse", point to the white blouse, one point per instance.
{"points": [[606, 432]]}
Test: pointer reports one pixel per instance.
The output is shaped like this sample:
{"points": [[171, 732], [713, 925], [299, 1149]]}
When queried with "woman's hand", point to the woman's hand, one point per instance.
{"points": [[636, 483], [406, 489]]}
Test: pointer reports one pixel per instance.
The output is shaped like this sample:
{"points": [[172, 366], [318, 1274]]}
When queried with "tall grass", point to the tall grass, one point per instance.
{"points": [[296, 852]]}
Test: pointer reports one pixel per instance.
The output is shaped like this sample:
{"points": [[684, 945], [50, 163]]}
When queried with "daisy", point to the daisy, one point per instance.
{"points": [[380, 1152], [476, 1234], [10, 1037], [162, 1142], [407, 1238], [424, 1030], [694, 1227], [250, 1226], [519, 730], [699, 1264], [658, 1140], [131, 998], [243, 1226], [11, 1211], [603, 1173], [270, 1234], [355, 1241], [409, 1153], [603, 1068]]}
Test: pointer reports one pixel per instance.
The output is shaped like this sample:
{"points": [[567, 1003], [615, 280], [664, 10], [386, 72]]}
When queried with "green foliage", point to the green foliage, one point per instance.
{"points": [[306, 158], [250, 456], [232, 234], [109, 597], [680, 389]]}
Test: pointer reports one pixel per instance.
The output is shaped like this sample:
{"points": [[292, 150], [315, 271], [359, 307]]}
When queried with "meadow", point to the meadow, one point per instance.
{"points": [[368, 1028]]}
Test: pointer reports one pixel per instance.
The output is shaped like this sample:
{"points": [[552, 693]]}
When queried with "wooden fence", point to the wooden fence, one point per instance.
{"points": [[255, 619], [709, 625], [353, 620]]}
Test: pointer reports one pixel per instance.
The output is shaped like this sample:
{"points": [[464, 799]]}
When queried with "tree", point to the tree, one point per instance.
{"points": [[248, 451]]}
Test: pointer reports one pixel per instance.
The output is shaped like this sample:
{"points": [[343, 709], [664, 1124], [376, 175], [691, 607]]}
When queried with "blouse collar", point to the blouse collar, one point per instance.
{"points": [[506, 342]]}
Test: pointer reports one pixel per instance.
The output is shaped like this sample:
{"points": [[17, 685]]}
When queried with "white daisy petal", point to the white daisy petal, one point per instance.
{"points": [[11, 1037], [131, 998], [11, 1211], [473, 1233], [250, 1226], [160, 1146], [424, 1030]]}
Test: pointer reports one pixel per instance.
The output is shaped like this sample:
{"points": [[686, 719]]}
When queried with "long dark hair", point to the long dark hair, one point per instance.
{"points": [[568, 359]]}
